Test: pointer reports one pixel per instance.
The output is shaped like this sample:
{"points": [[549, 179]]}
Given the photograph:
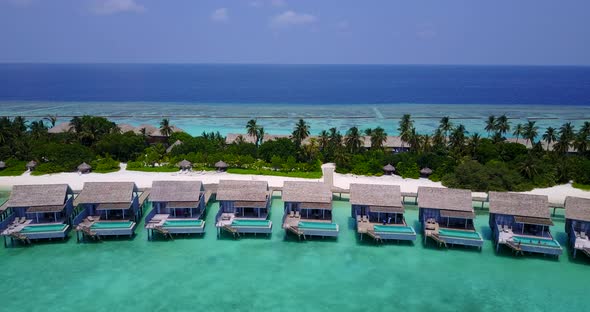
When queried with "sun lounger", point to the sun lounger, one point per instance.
{"points": [[583, 235], [291, 214], [23, 220], [296, 214], [358, 218]]}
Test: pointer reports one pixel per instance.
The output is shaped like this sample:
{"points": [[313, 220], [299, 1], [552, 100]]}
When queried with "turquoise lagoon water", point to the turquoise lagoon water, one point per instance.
{"points": [[280, 273], [226, 118]]}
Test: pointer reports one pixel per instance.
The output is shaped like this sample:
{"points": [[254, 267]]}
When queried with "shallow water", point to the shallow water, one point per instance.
{"points": [[269, 274], [226, 118]]}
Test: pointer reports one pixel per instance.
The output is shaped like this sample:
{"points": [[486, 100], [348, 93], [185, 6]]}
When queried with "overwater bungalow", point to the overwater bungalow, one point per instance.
{"points": [[244, 207], [107, 209], [447, 216], [37, 212], [379, 212], [178, 207], [308, 209], [577, 224], [521, 222]]}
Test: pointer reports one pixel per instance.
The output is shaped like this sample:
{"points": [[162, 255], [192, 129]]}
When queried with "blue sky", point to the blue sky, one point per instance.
{"points": [[296, 31]]}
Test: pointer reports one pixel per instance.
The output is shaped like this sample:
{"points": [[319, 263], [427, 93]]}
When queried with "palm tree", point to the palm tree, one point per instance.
{"points": [[413, 140], [52, 119], [165, 127], [260, 136], [549, 136], [253, 130], [378, 137], [474, 143], [567, 131], [528, 168], [335, 137], [405, 125], [530, 131], [301, 132], [438, 138], [457, 138], [502, 124], [585, 129], [426, 143], [491, 124], [445, 125], [518, 131], [324, 139], [581, 142], [353, 140], [38, 129]]}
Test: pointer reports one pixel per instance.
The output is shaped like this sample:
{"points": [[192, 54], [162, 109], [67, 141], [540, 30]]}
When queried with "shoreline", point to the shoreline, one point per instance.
{"points": [[556, 194]]}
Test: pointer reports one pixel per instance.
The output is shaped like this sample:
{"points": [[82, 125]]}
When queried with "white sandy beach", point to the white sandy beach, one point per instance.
{"points": [[556, 194]]}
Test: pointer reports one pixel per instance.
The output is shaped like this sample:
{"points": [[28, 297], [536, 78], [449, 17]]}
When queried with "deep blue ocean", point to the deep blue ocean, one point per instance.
{"points": [[295, 84]]}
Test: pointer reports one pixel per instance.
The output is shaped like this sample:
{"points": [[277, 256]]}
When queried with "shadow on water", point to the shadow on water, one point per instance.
{"points": [[229, 237], [37, 242], [292, 238], [159, 238]]}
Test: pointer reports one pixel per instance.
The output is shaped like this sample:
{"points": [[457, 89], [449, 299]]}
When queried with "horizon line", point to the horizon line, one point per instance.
{"points": [[295, 64]]}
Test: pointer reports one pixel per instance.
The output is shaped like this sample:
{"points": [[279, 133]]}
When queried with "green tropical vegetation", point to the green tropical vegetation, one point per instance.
{"points": [[456, 157]]}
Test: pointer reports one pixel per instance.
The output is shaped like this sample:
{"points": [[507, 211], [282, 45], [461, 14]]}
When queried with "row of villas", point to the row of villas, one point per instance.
{"points": [[520, 222]]}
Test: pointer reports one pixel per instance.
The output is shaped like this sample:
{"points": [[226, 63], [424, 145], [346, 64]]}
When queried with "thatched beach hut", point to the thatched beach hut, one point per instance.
{"points": [[244, 207], [388, 169], [379, 212], [37, 212], [2, 165], [31, 165], [185, 165], [107, 209], [577, 224], [221, 166], [521, 222], [177, 207], [84, 168], [308, 209], [447, 216]]}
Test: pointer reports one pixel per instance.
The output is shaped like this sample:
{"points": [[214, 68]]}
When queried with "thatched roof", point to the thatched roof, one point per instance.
{"points": [[84, 167], [516, 204], [577, 208], [59, 128], [376, 195], [426, 171], [106, 192], [2, 165], [389, 168], [127, 128], [444, 199], [306, 192], [32, 164], [236, 190], [176, 191], [185, 164], [38, 195], [221, 164]]}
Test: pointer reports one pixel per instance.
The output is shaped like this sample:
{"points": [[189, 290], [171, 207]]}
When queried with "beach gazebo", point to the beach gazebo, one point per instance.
{"points": [[178, 208], [107, 209], [221, 166], [388, 169], [185, 165], [37, 212], [379, 212], [244, 207], [447, 216], [308, 209], [577, 224], [521, 222], [84, 168], [425, 172], [31, 165], [2, 165]]}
